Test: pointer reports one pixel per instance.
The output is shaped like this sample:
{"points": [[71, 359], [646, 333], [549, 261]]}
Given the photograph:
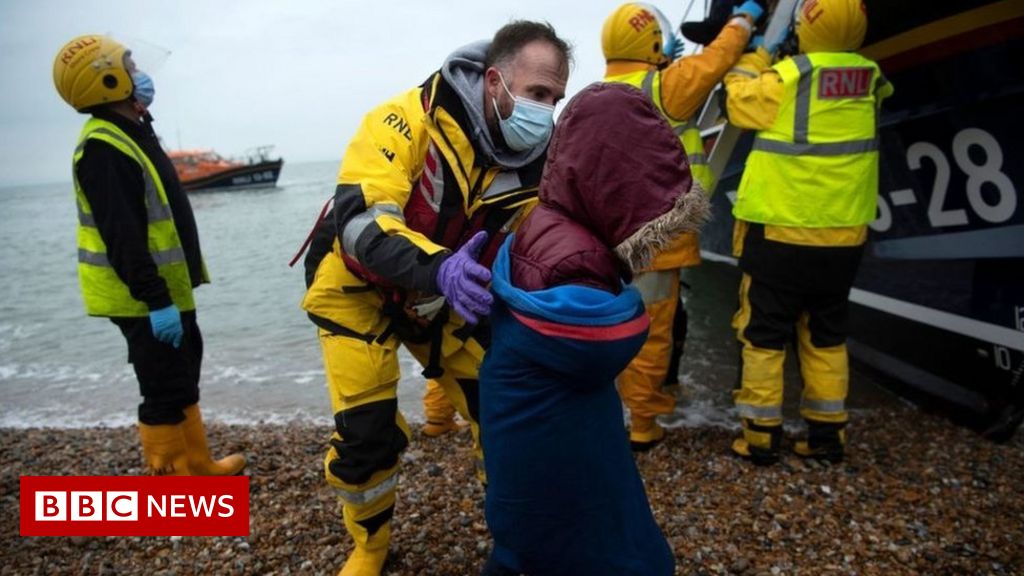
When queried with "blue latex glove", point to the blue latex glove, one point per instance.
{"points": [[463, 282], [755, 43], [751, 8], [674, 47], [166, 323]]}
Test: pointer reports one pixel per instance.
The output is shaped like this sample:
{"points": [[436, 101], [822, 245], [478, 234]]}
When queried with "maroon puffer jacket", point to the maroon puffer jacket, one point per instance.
{"points": [[614, 190]]}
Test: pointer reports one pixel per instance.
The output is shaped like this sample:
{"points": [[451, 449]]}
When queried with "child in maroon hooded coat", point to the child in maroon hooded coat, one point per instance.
{"points": [[564, 495]]}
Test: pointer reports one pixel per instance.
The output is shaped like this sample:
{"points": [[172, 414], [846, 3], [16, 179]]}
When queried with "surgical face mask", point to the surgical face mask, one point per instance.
{"points": [[144, 90], [529, 124]]}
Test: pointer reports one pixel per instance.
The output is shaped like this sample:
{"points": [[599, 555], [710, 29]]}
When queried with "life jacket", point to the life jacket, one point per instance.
{"points": [[458, 193]]}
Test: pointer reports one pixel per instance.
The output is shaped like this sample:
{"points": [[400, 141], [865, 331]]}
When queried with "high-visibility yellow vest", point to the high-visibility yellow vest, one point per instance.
{"points": [[817, 166], [649, 81], [102, 290]]}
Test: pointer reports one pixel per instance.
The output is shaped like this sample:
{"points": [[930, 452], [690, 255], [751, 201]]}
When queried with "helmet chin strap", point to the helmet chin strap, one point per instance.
{"points": [[143, 112]]}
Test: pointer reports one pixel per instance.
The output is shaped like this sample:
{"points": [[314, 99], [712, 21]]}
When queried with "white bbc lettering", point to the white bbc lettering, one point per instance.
{"points": [[122, 506], [178, 506], [51, 506], [223, 501], [87, 506], [200, 505]]}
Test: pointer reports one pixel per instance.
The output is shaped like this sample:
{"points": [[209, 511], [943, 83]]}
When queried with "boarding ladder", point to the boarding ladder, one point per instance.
{"points": [[711, 120]]}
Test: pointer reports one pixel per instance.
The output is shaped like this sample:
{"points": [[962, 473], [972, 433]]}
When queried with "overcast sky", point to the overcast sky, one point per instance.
{"points": [[297, 74]]}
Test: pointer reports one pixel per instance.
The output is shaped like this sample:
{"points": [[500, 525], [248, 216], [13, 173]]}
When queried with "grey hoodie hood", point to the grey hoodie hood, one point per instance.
{"points": [[464, 71]]}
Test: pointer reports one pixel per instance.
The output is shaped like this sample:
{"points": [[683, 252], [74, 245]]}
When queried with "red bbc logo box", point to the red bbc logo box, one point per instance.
{"points": [[134, 506]]}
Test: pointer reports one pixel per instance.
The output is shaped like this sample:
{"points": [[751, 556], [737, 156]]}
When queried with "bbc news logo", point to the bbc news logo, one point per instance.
{"points": [[134, 506]]}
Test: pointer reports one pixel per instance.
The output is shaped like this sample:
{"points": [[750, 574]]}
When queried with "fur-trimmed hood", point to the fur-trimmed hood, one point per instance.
{"points": [[616, 190], [616, 168]]}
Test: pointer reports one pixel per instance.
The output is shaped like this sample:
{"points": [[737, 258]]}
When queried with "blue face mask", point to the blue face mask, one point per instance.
{"points": [[144, 90], [530, 123]]}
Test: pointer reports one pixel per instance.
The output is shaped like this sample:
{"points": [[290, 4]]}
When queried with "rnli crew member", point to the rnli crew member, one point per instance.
{"points": [[138, 249], [807, 194], [428, 188], [639, 48], [564, 494]]}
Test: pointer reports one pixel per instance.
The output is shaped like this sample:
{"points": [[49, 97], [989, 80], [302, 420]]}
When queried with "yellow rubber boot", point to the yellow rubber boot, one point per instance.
{"points": [[199, 460], [164, 449], [439, 411], [370, 552], [644, 434], [759, 444], [825, 441]]}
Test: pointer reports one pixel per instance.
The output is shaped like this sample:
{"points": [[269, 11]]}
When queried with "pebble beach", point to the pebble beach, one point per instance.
{"points": [[916, 495]]}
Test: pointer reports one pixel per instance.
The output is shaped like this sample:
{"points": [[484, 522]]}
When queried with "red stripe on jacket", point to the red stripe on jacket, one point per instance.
{"points": [[592, 333]]}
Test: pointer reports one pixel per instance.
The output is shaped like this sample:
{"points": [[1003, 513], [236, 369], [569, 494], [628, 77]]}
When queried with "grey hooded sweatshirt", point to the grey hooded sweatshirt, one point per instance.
{"points": [[464, 70]]}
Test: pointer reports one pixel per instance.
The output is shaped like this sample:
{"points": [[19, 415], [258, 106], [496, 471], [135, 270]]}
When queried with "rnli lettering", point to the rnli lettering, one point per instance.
{"points": [[399, 124], [76, 48], [641, 20], [844, 83], [387, 154], [811, 12]]}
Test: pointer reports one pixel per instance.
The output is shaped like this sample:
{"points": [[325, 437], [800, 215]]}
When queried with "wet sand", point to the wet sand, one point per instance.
{"points": [[916, 495]]}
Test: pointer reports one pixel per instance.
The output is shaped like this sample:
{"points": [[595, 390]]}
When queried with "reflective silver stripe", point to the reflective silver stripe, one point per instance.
{"points": [[370, 494], [655, 286], [503, 182], [743, 72], [355, 226], [825, 406], [156, 210], [85, 219], [822, 149], [169, 256], [648, 84], [802, 113], [94, 258], [751, 411], [697, 158]]}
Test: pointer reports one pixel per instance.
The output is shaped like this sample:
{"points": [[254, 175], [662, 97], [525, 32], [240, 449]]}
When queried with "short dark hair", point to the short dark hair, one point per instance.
{"points": [[511, 38]]}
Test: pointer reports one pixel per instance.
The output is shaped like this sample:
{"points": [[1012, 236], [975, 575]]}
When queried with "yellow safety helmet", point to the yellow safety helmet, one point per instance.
{"points": [[635, 31], [831, 25], [90, 70]]}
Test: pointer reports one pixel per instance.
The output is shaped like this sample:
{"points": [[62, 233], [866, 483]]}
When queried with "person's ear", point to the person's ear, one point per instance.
{"points": [[492, 82]]}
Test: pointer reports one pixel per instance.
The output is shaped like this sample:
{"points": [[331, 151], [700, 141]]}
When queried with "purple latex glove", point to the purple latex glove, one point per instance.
{"points": [[464, 282]]}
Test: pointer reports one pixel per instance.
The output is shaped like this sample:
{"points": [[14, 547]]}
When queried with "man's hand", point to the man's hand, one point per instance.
{"points": [[464, 282], [166, 323]]}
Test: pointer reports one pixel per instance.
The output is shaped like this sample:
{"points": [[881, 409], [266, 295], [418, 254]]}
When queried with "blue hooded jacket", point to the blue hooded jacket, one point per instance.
{"points": [[564, 494]]}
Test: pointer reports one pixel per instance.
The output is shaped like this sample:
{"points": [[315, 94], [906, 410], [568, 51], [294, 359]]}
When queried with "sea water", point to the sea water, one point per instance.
{"points": [[59, 367]]}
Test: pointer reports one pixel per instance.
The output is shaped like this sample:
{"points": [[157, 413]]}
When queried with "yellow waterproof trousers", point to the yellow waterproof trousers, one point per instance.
{"points": [[640, 384], [765, 324]]}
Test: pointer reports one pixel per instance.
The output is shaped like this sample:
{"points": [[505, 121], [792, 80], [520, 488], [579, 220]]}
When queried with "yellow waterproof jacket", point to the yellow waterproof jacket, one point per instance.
{"points": [[412, 186], [678, 91], [763, 98]]}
